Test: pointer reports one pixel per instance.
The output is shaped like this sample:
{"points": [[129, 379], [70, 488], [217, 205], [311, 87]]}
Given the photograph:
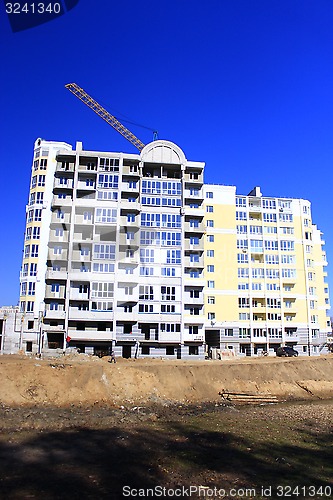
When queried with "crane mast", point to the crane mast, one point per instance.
{"points": [[103, 113]]}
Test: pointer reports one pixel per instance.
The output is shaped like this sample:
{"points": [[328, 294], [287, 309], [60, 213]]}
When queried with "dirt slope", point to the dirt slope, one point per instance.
{"points": [[85, 380]]}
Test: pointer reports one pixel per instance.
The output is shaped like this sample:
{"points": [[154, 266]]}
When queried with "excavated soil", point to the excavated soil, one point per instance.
{"points": [[83, 379], [81, 428]]}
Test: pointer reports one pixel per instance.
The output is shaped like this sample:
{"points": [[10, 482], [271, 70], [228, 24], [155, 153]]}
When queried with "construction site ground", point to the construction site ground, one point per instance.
{"points": [[81, 427]]}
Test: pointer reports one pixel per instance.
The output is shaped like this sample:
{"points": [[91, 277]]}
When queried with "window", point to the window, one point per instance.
{"points": [[167, 308], [193, 330], [101, 267], [258, 273], [24, 288], [210, 238], [54, 306], [194, 240], [242, 244], [31, 288], [210, 253], [39, 198], [194, 294], [59, 232], [102, 290], [147, 255], [168, 271], [240, 202], [270, 204], [211, 315], [243, 316], [241, 215], [194, 257], [287, 246], [146, 308], [173, 257], [57, 250], [286, 217], [60, 214], [146, 271], [270, 229], [34, 251], [130, 217], [194, 223], [106, 215], [241, 229], [43, 164], [90, 182], [55, 288], [271, 259], [211, 299], [243, 286], [243, 302], [109, 164], [210, 269], [228, 332], [242, 258], [256, 245], [211, 284], [146, 292], [210, 223], [256, 286], [28, 233], [271, 245], [269, 217], [255, 230], [26, 251], [209, 194], [87, 216], [41, 180], [36, 233], [107, 252], [243, 272], [84, 251], [108, 181], [210, 208], [286, 230]]}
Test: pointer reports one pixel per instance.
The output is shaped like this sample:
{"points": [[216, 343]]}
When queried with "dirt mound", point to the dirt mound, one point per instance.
{"points": [[86, 380]]}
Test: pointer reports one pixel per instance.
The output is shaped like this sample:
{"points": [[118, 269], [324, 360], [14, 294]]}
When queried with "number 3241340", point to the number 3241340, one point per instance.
{"points": [[33, 8]]}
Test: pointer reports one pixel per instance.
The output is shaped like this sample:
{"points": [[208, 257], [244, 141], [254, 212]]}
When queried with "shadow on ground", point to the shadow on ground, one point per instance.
{"points": [[97, 463]]}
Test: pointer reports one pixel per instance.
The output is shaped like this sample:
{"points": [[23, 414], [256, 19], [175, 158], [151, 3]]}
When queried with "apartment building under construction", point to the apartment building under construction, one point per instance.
{"points": [[134, 252]]}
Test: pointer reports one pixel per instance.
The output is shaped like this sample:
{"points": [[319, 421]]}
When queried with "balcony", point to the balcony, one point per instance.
{"points": [[199, 228], [193, 194], [90, 335], [54, 314], [126, 204], [76, 314], [60, 217], [194, 265], [125, 241], [127, 187], [62, 202], [81, 219], [169, 337], [188, 178], [63, 183], [57, 257], [196, 212], [194, 246], [198, 282], [56, 275]]}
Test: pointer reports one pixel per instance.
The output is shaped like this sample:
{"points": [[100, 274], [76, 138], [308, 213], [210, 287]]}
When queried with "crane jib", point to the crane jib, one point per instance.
{"points": [[103, 113]]}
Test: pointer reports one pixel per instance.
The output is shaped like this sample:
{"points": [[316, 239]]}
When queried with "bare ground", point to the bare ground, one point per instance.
{"points": [[82, 428]]}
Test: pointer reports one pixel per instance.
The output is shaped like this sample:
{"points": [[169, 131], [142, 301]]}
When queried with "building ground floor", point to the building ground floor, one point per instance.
{"points": [[31, 336]]}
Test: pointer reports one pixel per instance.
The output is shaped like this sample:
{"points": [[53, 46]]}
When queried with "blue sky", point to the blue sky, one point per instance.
{"points": [[245, 86]]}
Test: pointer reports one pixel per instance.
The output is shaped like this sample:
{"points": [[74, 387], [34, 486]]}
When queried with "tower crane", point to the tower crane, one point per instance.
{"points": [[103, 113]]}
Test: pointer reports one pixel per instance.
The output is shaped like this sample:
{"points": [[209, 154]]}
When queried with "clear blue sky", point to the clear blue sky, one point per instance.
{"points": [[245, 86]]}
